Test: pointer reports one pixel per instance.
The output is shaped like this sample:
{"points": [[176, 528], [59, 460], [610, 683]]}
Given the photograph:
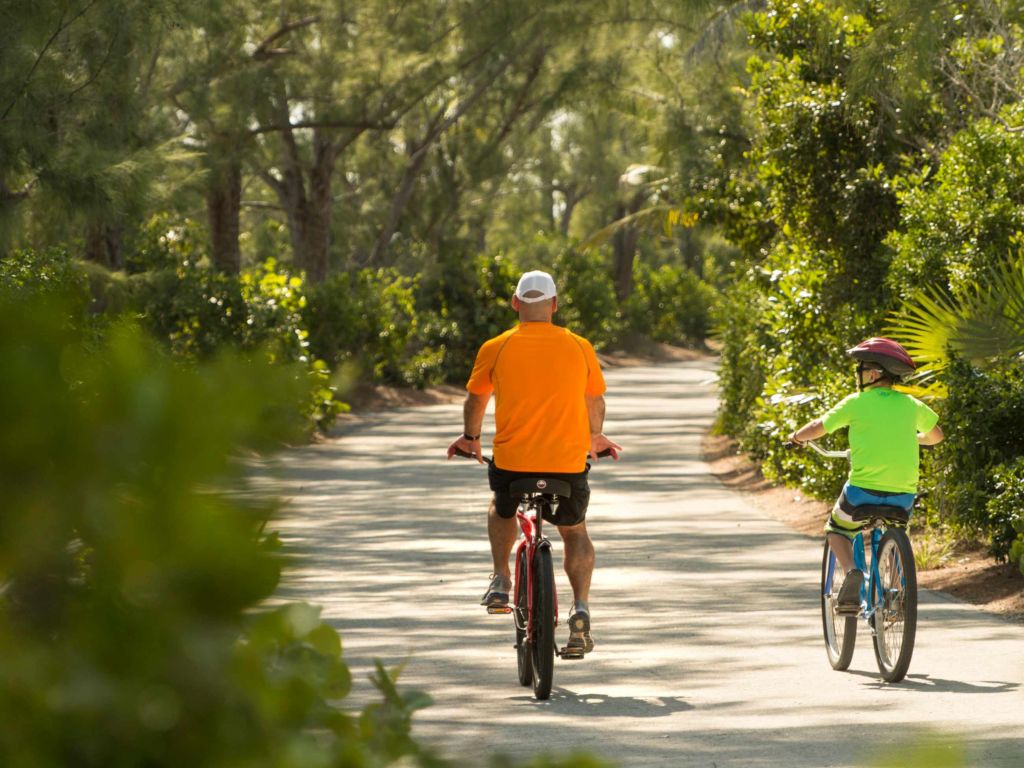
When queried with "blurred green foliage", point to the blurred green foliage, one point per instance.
{"points": [[923, 751], [131, 618]]}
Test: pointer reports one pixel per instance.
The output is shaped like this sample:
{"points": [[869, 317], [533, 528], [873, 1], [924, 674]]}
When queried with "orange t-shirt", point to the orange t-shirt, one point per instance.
{"points": [[539, 374]]}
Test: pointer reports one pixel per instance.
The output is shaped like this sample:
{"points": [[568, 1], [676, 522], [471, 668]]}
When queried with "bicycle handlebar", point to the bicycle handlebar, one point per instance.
{"points": [[467, 455], [817, 448]]}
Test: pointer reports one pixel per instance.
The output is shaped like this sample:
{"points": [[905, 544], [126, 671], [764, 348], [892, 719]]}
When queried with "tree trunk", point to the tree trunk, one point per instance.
{"points": [[309, 215], [572, 199], [318, 219], [691, 257], [103, 245], [223, 208], [624, 249]]}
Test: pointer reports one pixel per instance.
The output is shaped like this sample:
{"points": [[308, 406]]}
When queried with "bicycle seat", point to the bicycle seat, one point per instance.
{"points": [[887, 512], [528, 485]]}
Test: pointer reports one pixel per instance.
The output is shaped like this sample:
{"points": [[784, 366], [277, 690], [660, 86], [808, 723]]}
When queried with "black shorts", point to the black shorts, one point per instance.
{"points": [[569, 511]]}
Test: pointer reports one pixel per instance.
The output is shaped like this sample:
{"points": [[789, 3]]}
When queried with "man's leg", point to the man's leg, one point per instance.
{"points": [[579, 561], [501, 532]]}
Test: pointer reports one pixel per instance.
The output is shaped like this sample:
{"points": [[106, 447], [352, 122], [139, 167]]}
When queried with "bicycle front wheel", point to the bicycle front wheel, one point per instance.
{"points": [[894, 595], [524, 653], [840, 631], [543, 641]]}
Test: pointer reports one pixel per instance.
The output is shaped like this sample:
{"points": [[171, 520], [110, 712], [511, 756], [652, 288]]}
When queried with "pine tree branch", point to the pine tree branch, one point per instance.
{"points": [[264, 51], [61, 27]]}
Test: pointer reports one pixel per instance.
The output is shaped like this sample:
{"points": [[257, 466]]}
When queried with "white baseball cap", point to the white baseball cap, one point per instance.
{"points": [[533, 282]]}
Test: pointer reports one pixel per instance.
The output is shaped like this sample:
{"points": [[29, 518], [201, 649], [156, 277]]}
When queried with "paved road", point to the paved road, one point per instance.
{"points": [[706, 619]]}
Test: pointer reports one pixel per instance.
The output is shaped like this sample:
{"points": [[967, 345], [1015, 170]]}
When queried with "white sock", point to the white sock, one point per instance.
{"points": [[581, 606]]}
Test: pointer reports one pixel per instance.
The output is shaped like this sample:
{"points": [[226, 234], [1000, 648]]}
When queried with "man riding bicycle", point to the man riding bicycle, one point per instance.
{"points": [[549, 417], [886, 428]]}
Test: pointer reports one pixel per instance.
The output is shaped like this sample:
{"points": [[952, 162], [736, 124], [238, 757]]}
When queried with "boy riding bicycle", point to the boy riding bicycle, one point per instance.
{"points": [[886, 428]]}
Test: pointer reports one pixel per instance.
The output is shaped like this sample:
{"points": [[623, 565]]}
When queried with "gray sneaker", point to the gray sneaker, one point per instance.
{"points": [[580, 640], [496, 595]]}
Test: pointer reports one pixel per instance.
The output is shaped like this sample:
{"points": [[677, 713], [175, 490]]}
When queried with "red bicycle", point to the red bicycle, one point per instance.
{"points": [[535, 603]]}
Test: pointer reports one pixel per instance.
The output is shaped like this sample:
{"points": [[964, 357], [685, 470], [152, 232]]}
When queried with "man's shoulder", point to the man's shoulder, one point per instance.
{"points": [[581, 340], [500, 338]]}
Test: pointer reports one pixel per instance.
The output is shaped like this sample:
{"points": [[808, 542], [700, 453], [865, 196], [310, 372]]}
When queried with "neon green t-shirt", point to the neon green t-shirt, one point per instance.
{"points": [[883, 426]]}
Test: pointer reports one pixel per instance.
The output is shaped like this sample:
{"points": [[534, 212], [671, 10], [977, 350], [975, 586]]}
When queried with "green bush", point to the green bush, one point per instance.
{"points": [[586, 296], [965, 218], [1006, 506], [463, 300], [983, 419], [51, 273], [739, 328], [670, 304], [366, 318], [132, 624], [195, 310]]}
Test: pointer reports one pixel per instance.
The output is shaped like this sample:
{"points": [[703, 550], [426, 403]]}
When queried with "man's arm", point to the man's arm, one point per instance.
{"points": [[933, 436], [473, 410], [809, 431], [598, 441]]}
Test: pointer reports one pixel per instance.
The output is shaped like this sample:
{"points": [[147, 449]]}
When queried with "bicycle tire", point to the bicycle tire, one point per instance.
{"points": [[895, 620], [543, 640], [524, 651], [840, 631]]}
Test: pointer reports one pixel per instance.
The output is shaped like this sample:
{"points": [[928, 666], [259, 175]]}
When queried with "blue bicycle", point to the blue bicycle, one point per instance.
{"points": [[888, 596]]}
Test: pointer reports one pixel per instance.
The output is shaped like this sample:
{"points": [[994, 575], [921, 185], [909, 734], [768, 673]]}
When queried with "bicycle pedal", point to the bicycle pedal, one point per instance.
{"points": [[571, 654], [499, 609]]}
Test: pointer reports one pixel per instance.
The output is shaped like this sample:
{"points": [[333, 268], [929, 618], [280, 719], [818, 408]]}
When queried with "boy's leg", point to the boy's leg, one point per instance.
{"points": [[843, 548], [841, 530]]}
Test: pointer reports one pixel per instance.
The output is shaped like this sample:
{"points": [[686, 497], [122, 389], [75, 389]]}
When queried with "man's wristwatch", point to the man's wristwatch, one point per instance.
{"points": [[470, 437]]}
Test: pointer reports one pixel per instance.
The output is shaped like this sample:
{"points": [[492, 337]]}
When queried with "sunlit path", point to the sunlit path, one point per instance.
{"points": [[709, 648]]}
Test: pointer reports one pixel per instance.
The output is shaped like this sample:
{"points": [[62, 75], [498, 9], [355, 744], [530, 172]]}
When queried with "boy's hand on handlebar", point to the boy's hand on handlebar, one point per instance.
{"points": [[468, 448], [602, 446]]}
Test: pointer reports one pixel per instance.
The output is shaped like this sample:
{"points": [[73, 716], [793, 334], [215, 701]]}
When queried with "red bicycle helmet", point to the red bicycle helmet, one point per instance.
{"points": [[885, 353]]}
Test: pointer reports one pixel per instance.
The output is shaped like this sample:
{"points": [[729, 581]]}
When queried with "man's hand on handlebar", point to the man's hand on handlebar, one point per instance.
{"points": [[602, 446], [454, 450], [462, 446]]}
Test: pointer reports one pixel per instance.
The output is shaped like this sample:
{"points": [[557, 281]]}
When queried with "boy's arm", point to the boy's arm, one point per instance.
{"points": [[809, 431], [932, 437]]}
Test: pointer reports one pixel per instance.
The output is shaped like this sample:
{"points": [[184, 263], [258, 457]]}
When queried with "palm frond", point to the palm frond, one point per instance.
{"points": [[984, 325], [651, 216]]}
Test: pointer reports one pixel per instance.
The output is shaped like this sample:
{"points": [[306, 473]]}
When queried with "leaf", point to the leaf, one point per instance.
{"points": [[986, 324]]}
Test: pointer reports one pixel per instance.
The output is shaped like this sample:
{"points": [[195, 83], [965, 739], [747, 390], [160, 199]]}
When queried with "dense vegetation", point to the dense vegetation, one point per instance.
{"points": [[891, 172], [195, 197]]}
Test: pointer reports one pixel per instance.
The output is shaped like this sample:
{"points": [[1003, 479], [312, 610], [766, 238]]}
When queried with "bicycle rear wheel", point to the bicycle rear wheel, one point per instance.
{"points": [[895, 598], [524, 653], [840, 631], [543, 641]]}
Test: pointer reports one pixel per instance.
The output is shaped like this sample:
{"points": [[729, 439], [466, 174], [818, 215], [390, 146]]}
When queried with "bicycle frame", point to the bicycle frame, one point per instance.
{"points": [[530, 517], [870, 604]]}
